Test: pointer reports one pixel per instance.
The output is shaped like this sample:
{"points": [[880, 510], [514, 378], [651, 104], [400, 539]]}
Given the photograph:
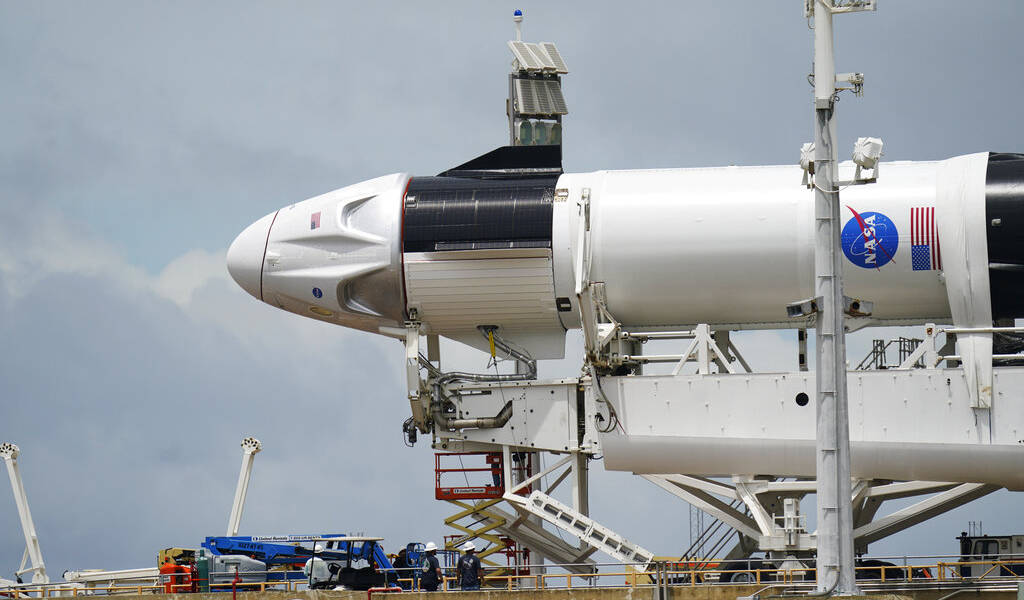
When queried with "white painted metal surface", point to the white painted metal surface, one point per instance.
{"points": [[589, 531], [454, 292], [835, 564], [335, 257], [545, 415], [904, 425], [734, 245], [250, 447], [9, 453], [728, 246], [961, 218], [95, 576]]}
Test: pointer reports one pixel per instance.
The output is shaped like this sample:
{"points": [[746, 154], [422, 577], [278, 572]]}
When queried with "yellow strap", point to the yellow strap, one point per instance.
{"points": [[490, 338]]}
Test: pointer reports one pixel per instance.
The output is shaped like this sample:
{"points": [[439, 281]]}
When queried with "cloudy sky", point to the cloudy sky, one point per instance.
{"points": [[138, 138]]}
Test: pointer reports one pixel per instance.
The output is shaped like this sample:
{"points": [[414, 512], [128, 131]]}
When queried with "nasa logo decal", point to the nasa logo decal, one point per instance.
{"points": [[870, 239], [317, 292]]}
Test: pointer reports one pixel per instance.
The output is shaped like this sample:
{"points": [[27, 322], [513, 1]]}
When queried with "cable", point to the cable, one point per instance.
{"points": [[464, 470], [409, 432], [613, 417]]}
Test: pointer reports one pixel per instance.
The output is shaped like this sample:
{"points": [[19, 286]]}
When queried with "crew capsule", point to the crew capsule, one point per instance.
{"points": [[502, 240]]}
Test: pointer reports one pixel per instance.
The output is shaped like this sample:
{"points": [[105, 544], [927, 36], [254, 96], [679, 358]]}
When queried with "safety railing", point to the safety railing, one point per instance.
{"points": [[902, 572]]}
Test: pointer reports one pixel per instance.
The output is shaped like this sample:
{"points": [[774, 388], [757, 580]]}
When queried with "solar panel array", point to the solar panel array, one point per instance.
{"points": [[540, 97], [555, 57], [543, 57]]}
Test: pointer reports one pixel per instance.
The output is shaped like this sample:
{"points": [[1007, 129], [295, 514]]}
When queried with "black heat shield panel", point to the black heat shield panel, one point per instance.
{"points": [[452, 213], [1004, 218]]}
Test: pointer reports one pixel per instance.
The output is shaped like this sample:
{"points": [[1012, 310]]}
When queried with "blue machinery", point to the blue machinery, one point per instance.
{"points": [[354, 561]]}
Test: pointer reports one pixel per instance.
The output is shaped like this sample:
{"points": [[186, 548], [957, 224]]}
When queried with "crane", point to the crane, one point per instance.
{"points": [[9, 453], [250, 446]]}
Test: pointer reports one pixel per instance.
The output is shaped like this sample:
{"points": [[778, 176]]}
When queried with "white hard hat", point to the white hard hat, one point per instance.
{"points": [[468, 546], [431, 546], [318, 547]]}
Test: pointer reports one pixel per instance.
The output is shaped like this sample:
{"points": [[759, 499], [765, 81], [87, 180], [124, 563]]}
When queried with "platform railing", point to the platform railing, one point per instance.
{"points": [[907, 572]]}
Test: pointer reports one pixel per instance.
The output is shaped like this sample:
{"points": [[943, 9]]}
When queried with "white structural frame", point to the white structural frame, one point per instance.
{"points": [[250, 447], [576, 419], [9, 453]]}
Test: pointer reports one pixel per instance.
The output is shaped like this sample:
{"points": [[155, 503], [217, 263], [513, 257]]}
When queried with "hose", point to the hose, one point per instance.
{"points": [[437, 405]]}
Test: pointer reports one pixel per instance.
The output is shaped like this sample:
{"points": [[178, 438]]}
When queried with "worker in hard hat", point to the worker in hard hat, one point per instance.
{"points": [[316, 570], [470, 572], [404, 569], [430, 575]]}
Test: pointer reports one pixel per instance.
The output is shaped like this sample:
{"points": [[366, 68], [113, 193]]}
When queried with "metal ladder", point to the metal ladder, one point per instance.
{"points": [[586, 529]]}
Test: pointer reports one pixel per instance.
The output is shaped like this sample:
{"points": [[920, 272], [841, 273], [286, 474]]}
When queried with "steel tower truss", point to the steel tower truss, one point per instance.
{"points": [[675, 424]]}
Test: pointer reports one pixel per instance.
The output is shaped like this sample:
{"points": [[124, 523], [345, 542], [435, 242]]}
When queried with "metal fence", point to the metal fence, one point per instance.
{"points": [[884, 573]]}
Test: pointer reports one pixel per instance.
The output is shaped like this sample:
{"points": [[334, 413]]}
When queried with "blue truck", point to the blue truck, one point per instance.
{"points": [[352, 562]]}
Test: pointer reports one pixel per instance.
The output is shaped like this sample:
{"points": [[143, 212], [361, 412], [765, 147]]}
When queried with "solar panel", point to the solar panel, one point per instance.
{"points": [[539, 97], [554, 92], [526, 97], [527, 59], [555, 57], [542, 57]]}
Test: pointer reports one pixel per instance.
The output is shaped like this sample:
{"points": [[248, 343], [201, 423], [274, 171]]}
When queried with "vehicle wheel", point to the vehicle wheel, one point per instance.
{"points": [[739, 573]]}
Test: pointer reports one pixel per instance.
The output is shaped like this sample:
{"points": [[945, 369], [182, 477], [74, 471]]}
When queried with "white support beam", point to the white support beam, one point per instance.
{"points": [[701, 483], [921, 511], [709, 504], [906, 489], [526, 482], [761, 516]]}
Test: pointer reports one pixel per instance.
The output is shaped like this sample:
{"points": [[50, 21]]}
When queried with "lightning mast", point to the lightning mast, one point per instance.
{"points": [[9, 453]]}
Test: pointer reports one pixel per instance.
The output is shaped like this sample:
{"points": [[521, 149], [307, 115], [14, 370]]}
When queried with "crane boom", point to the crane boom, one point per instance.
{"points": [[250, 446], [9, 453]]}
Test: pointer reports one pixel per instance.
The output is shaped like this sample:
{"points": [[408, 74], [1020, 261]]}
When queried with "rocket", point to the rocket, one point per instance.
{"points": [[502, 240]]}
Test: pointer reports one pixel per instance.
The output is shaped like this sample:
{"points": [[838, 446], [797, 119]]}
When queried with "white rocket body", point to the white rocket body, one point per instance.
{"points": [[726, 246]]}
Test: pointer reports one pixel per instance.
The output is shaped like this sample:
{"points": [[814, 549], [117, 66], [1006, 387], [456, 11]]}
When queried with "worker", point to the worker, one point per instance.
{"points": [[470, 572], [404, 569], [431, 572], [316, 570], [494, 459], [167, 571]]}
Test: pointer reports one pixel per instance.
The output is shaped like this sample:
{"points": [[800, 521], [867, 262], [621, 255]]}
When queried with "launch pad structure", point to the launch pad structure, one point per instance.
{"points": [[921, 430], [505, 253]]}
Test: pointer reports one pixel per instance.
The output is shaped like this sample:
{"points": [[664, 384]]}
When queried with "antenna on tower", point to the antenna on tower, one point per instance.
{"points": [[535, 104]]}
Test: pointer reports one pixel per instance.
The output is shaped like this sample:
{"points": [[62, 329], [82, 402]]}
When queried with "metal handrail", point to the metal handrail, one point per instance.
{"points": [[941, 575]]}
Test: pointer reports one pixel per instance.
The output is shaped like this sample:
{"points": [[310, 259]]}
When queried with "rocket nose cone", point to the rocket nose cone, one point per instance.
{"points": [[245, 256]]}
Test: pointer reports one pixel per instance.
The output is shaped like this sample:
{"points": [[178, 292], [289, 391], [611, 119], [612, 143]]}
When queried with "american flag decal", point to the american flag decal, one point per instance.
{"points": [[925, 254], [314, 220]]}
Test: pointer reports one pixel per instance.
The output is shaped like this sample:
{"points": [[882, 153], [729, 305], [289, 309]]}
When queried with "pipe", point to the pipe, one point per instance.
{"points": [[429, 366], [494, 422], [370, 591], [445, 422]]}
